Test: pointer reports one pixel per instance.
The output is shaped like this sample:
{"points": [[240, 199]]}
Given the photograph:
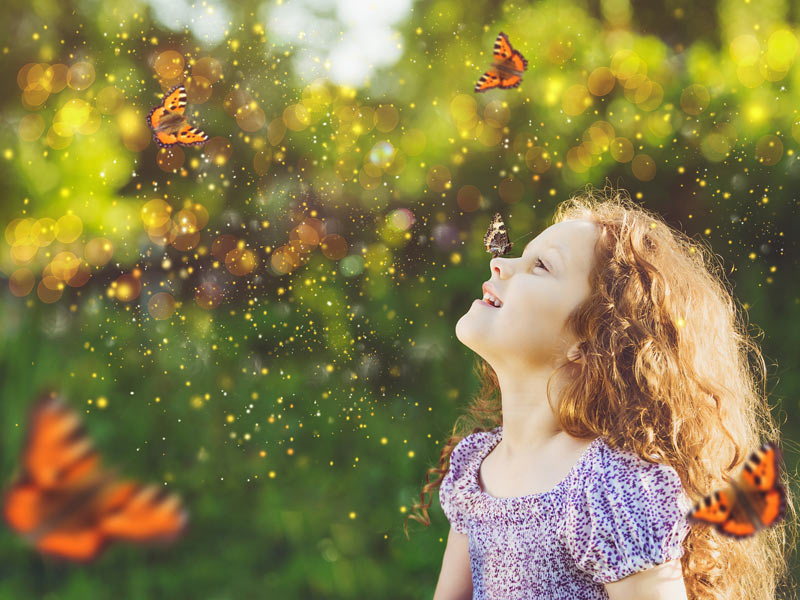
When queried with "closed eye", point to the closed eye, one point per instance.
{"points": [[539, 260]]}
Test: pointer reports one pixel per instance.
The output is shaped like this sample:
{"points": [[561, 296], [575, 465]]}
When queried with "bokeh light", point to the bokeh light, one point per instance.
{"points": [[267, 304]]}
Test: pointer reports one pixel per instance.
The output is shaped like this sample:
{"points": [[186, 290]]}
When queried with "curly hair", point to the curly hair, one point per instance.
{"points": [[666, 374]]}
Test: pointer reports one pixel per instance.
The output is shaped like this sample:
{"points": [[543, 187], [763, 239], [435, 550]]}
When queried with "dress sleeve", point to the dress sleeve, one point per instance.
{"points": [[452, 505], [628, 515]]}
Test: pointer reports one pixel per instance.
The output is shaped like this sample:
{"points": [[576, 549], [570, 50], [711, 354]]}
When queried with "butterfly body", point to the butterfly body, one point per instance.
{"points": [[755, 501], [169, 124], [496, 239], [506, 70], [65, 505]]}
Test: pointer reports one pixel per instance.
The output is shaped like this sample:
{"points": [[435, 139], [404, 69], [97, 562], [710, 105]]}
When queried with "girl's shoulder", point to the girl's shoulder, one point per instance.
{"points": [[613, 472], [619, 461], [625, 514], [473, 447]]}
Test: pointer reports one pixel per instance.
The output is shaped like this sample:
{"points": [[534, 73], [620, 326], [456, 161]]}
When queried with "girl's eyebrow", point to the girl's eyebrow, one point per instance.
{"points": [[561, 250]]}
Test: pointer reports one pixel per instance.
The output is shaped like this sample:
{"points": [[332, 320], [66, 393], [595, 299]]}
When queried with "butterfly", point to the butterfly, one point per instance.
{"points": [[756, 501], [496, 239], [66, 506], [506, 72], [169, 124]]}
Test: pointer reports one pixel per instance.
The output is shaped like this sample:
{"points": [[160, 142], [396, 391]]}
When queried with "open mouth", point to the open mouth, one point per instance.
{"points": [[490, 300]]}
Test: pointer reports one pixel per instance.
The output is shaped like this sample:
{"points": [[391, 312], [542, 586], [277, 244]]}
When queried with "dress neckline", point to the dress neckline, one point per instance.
{"points": [[497, 435]]}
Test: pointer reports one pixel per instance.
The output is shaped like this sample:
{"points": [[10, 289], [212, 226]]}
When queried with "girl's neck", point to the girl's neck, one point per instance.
{"points": [[527, 430], [528, 420]]}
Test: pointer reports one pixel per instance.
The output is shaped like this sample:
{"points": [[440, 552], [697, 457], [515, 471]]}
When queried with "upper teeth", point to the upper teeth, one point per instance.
{"points": [[491, 299]]}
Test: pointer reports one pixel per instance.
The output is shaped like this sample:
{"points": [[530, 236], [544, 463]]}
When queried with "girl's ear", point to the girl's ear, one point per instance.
{"points": [[574, 353]]}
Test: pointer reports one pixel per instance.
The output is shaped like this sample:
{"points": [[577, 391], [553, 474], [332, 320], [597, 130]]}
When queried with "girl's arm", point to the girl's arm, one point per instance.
{"points": [[662, 582], [455, 578]]}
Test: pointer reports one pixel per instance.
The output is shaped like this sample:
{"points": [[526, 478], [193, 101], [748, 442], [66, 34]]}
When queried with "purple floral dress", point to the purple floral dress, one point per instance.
{"points": [[614, 514]]}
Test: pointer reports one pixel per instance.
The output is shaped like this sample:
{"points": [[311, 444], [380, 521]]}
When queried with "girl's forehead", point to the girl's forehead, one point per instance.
{"points": [[557, 234]]}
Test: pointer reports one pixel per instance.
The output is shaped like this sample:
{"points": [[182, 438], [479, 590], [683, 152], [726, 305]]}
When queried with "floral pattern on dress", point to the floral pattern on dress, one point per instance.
{"points": [[613, 514]]}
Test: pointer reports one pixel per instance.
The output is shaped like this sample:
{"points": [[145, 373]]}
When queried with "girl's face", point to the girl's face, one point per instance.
{"points": [[538, 290]]}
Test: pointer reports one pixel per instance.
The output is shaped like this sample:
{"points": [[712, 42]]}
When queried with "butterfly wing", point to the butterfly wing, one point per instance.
{"points": [[513, 62], [722, 510], [762, 468], [58, 454], [79, 534], [66, 506], [75, 535], [59, 467], [759, 489], [488, 80], [487, 237], [175, 100], [162, 138], [515, 65], [191, 136], [738, 524], [154, 117], [771, 506], [144, 513], [511, 81], [502, 48], [507, 70], [496, 238], [122, 510], [517, 61], [760, 482]]}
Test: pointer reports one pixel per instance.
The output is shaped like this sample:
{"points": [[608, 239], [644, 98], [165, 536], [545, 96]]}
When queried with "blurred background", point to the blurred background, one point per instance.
{"points": [[265, 324]]}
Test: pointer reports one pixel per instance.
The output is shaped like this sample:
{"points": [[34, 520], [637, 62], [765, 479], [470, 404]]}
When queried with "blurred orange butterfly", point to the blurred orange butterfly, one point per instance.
{"points": [[66, 506], [170, 126], [506, 72], [754, 502]]}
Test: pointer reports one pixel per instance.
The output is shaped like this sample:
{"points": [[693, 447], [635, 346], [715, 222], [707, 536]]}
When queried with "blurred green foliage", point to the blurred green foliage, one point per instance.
{"points": [[343, 369]]}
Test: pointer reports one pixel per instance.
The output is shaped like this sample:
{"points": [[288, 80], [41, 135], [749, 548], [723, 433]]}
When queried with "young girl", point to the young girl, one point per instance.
{"points": [[619, 393]]}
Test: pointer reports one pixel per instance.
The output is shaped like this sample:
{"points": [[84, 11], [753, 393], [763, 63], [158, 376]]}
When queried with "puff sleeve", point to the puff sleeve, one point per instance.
{"points": [[627, 515], [449, 497]]}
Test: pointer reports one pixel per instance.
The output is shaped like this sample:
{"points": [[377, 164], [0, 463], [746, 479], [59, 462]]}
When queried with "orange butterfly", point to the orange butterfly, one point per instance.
{"points": [[66, 506], [170, 126], [755, 502], [506, 72]]}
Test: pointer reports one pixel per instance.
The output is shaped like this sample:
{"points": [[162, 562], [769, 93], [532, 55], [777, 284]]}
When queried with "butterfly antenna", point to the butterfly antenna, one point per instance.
{"points": [[521, 236]]}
